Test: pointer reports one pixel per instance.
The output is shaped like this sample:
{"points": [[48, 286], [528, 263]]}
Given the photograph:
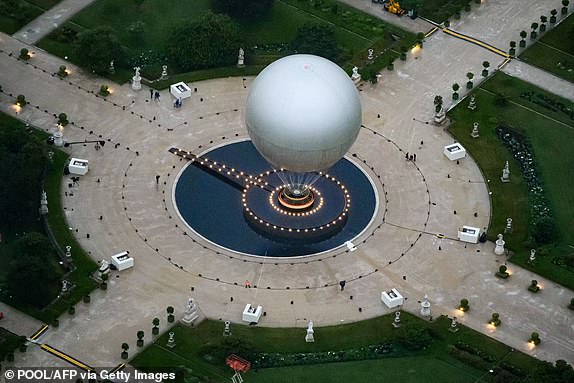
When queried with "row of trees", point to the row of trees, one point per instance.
{"points": [[209, 42]]}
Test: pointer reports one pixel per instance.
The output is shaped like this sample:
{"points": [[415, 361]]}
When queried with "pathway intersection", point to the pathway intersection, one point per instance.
{"points": [[411, 246]]}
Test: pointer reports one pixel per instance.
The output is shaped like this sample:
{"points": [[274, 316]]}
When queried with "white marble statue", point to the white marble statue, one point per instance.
{"points": [[505, 173], [310, 337], [241, 58]]}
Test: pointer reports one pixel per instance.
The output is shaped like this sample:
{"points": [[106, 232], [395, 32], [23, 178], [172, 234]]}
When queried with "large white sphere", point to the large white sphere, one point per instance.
{"points": [[303, 113]]}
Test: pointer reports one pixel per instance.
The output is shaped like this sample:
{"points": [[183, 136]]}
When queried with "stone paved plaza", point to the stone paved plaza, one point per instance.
{"points": [[400, 249]]}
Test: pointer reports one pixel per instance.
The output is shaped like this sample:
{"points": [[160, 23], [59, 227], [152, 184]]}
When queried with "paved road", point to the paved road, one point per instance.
{"points": [[540, 78], [403, 252], [35, 30]]}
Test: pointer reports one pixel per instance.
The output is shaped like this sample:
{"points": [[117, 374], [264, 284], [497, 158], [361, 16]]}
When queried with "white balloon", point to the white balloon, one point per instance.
{"points": [[303, 113]]}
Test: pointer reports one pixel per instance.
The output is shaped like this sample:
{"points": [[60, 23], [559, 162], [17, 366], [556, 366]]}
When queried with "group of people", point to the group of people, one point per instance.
{"points": [[411, 157], [154, 95]]}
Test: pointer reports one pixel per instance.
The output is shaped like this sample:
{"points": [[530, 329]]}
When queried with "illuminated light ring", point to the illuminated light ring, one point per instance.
{"points": [[328, 227]]}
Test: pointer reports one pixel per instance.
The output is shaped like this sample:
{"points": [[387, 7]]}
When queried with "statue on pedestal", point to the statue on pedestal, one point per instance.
{"points": [[310, 338], [370, 56], [453, 325], [164, 75], [474, 133], [356, 76], [508, 228], [241, 58], [505, 173], [425, 307], [136, 79], [190, 312], [397, 320], [44, 203], [499, 249], [472, 103]]}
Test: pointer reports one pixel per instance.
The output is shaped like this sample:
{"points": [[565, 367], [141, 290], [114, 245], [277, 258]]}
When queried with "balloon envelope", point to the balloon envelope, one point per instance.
{"points": [[303, 113]]}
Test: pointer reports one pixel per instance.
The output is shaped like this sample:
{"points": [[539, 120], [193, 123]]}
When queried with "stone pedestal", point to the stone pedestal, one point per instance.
{"points": [[397, 320], [356, 76], [474, 133], [170, 341], [59, 139], [164, 75], [453, 325], [505, 173], [425, 308], [241, 58], [136, 82], [44, 203], [440, 117], [227, 329], [499, 249], [191, 314]]}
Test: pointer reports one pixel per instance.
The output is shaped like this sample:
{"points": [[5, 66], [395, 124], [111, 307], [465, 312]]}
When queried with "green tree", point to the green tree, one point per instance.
{"points": [[32, 279], [138, 4], [23, 158], [242, 9], [317, 39], [212, 41], [96, 48]]}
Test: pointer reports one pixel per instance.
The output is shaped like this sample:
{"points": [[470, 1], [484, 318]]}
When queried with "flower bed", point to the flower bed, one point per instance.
{"points": [[542, 225], [378, 351]]}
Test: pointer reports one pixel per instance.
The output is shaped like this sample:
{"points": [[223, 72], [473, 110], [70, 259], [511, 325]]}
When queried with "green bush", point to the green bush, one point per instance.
{"points": [[104, 90], [62, 72], [63, 119], [209, 42], [21, 100], [502, 273], [24, 54]]}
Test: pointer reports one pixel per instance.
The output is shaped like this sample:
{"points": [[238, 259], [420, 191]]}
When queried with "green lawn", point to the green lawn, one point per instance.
{"points": [[405, 370], [402, 365], [44, 4], [9, 342], [554, 52], [84, 264], [551, 134]]}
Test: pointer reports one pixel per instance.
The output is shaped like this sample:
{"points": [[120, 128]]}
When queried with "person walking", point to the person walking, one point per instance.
{"points": [[150, 94]]}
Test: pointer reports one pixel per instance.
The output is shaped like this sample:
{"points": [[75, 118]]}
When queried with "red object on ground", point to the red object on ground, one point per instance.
{"points": [[1, 315], [237, 363]]}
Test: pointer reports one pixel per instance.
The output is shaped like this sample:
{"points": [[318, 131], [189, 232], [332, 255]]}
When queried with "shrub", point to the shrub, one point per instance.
{"points": [[21, 100], [140, 335], [534, 286], [534, 338], [24, 54], [495, 320], [62, 72], [553, 14], [502, 273], [104, 91], [469, 76], [464, 307], [63, 119]]}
